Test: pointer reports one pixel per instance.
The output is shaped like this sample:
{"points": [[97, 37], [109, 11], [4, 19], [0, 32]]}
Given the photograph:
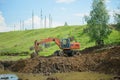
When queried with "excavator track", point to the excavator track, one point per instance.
{"points": [[60, 53], [66, 53]]}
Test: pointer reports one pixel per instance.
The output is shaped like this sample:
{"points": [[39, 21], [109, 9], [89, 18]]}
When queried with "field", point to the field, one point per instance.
{"points": [[92, 63], [19, 42]]}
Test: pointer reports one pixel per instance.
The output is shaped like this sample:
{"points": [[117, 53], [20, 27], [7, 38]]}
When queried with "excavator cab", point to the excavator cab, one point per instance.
{"points": [[65, 43]]}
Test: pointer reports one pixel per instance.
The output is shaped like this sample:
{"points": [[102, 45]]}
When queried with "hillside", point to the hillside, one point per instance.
{"points": [[21, 41]]}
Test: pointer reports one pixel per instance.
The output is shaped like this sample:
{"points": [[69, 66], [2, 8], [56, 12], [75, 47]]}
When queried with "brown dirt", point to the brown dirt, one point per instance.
{"points": [[105, 61]]}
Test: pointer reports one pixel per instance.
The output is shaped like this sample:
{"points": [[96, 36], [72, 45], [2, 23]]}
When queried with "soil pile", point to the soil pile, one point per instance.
{"points": [[106, 61], [111, 61]]}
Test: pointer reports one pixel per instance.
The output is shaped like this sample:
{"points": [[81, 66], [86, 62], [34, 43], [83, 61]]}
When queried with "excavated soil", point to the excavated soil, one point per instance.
{"points": [[105, 60]]}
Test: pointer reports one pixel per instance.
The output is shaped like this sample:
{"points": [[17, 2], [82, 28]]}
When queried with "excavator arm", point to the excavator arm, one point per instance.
{"points": [[36, 43]]}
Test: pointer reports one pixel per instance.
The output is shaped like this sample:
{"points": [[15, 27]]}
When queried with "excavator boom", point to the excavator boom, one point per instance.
{"points": [[36, 43]]}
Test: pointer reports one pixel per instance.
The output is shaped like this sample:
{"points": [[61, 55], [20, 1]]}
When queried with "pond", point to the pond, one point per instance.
{"points": [[8, 77]]}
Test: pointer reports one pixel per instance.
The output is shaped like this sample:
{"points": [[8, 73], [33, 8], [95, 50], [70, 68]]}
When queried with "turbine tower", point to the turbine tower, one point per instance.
{"points": [[32, 20], [50, 21], [45, 22], [41, 20]]}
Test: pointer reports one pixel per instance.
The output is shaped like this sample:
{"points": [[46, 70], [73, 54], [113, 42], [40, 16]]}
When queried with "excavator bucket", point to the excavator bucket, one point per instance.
{"points": [[34, 54], [31, 48]]}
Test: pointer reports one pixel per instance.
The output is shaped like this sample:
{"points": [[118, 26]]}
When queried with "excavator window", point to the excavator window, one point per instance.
{"points": [[65, 43]]}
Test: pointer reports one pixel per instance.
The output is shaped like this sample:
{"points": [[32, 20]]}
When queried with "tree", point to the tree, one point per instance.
{"points": [[117, 19], [97, 28]]}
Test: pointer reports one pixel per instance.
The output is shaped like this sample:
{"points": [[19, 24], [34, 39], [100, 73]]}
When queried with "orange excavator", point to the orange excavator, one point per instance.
{"points": [[68, 48]]}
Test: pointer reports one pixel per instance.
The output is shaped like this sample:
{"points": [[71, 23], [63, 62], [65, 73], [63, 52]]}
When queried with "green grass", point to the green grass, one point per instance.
{"points": [[12, 58], [83, 76], [21, 41]]}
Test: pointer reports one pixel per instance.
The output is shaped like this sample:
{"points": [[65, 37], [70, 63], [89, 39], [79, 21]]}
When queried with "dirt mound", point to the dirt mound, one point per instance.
{"points": [[111, 61], [44, 65], [90, 49], [107, 61]]}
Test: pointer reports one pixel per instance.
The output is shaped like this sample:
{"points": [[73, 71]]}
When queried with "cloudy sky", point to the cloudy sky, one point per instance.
{"points": [[12, 12]]}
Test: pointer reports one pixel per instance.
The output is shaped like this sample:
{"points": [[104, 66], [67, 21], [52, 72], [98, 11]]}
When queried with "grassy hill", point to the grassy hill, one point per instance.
{"points": [[21, 41]]}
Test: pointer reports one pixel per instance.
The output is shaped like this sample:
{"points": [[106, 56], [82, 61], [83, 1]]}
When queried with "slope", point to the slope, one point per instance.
{"points": [[20, 41]]}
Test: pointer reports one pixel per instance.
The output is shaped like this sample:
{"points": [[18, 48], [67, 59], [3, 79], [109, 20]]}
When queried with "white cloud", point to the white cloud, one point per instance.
{"points": [[2, 20], [65, 1], [117, 11], [27, 24], [3, 26], [111, 13], [40, 24], [108, 1]]}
